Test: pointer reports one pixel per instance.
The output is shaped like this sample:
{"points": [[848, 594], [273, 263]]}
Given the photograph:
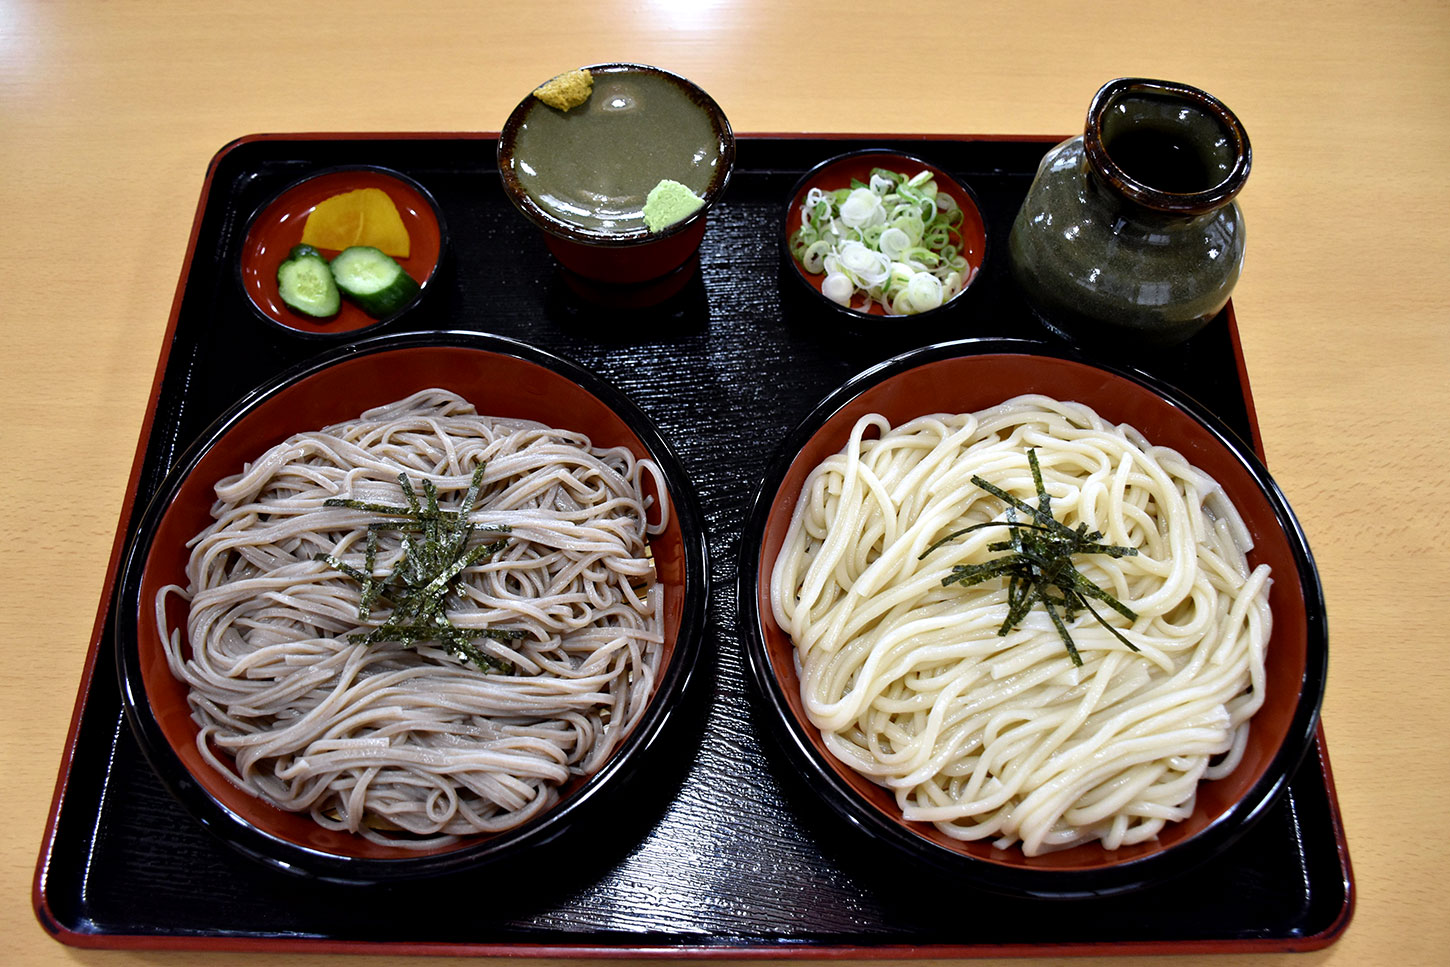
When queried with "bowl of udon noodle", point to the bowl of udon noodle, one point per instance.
{"points": [[412, 607], [1042, 624]]}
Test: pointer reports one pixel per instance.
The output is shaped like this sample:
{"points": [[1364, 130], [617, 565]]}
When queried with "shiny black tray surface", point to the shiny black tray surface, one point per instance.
{"points": [[721, 850]]}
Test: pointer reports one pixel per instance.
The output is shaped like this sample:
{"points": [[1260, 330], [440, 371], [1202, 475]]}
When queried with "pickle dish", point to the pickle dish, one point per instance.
{"points": [[394, 237]]}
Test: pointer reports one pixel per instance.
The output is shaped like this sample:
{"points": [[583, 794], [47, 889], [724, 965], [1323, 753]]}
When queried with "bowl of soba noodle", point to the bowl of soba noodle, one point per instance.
{"points": [[1033, 622], [416, 605]]}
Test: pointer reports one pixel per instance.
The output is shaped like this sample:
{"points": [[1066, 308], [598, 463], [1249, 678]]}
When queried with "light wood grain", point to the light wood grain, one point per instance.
{"points": [[110, 112]]}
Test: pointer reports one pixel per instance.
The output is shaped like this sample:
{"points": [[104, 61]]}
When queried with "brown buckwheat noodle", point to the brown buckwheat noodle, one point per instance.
{"points": [[414, 746], [1002, 738]]}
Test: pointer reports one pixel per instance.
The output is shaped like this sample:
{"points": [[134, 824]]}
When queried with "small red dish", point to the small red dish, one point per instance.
{"points": [[969, 375], [839, 172], [277, 226], [502, 378]]}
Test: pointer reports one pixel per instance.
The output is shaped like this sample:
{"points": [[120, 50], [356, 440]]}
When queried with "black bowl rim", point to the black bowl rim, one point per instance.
{"points": [[622, 766], [370, 328], [842, 802], [580, 235], [857, 318]]}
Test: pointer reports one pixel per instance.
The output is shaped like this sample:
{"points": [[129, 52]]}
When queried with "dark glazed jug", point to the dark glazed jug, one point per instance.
{"points": [[1131, 229]]}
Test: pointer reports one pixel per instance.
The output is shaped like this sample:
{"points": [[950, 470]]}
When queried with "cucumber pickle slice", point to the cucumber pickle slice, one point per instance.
{"points": [[373, 280], [306, 284]]}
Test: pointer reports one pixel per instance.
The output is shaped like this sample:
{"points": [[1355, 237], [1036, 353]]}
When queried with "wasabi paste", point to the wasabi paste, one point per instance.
{"points": [[669, 202]]}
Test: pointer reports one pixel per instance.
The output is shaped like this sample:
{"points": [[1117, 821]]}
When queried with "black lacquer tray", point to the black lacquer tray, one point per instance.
{"points": [[721, 852]]}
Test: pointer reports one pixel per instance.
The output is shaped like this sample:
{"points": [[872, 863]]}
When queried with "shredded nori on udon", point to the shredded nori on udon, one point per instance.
{"points": [[426, 573], [1038, 560]]}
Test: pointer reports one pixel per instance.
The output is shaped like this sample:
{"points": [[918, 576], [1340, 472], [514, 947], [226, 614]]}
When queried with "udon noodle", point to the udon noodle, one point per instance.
{"points": [[414, 745], [1003, 737]]}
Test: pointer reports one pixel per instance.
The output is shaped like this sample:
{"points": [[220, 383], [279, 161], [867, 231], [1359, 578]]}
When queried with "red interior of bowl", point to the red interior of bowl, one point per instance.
{"points": [[839, 173], [497, 385], [278, 227], [970, 383]]}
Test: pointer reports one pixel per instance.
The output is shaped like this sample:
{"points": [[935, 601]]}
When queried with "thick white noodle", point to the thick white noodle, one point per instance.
{"points": [[414, 746], [1002, 738]]}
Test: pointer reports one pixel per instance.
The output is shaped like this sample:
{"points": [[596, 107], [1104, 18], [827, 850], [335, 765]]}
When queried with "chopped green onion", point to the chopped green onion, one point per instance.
{"points": [[873, 241]]}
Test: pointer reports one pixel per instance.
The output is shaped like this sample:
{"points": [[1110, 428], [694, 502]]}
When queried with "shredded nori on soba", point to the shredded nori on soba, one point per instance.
{"points": [[426, 574], [1038, 562]]}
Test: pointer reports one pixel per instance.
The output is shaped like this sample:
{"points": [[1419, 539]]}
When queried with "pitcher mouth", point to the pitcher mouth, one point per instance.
{"points": [[1184, 151]]}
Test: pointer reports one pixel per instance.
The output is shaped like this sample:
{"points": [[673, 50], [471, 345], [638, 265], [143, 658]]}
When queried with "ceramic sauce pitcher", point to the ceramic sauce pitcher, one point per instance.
{"points": [[1131, 230]]}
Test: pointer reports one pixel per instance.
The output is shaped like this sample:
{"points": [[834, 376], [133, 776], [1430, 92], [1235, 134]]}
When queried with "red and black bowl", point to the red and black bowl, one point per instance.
{"points": [[970, 375], [277, 226], [842, 171], [501, 377], [631, 255]]}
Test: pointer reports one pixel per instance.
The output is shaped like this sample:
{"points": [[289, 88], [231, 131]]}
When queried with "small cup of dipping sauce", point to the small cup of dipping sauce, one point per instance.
{"points": [[620, 174]]}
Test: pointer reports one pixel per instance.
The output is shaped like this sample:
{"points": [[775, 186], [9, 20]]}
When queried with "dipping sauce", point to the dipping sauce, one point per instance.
{"points": [[1160, 160], [594, 165], [1166, 145]]}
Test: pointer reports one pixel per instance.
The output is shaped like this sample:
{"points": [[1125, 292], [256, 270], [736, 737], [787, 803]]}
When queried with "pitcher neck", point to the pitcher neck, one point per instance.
{"points": [[1165, 147]]}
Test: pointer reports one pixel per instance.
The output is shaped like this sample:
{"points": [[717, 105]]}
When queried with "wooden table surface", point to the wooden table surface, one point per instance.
{"points": [[109, 114]]}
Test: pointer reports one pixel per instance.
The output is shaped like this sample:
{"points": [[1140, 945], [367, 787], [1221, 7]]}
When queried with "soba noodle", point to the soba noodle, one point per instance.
{"points": [[404, 745], [1002, 737]]}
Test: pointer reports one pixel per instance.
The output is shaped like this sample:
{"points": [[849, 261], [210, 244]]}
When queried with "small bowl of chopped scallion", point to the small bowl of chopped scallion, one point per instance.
{"points": [[881, 233]]}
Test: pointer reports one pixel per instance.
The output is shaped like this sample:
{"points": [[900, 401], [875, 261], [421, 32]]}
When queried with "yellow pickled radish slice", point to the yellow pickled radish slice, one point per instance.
{"points": [[366, 216]]}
